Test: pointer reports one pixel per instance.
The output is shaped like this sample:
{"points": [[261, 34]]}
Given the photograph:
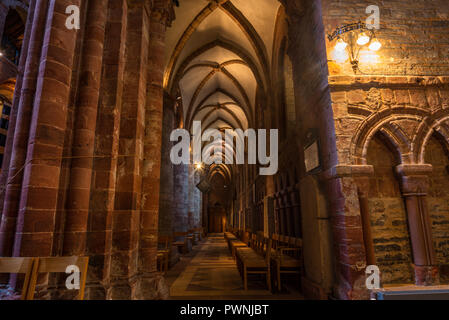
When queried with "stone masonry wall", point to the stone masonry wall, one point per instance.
{"points": [[438, 202], [413, 33], [388, 217]]}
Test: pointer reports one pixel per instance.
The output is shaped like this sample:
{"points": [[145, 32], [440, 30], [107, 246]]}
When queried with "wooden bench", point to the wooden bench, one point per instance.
{"points": [[27, 266]]}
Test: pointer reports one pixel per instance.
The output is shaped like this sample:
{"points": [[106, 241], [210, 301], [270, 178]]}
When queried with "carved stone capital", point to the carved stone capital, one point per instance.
{"points": [[344, 171], [414, 179]]}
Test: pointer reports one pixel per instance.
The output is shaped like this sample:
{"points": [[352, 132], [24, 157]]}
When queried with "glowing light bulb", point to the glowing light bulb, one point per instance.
{"points": [[375, 45], [363, 39], [199, 166], [340, 45], [340, 56]]}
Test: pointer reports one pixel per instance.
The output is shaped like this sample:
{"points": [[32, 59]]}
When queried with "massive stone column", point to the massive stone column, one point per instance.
{"points": [[160, 17], [415, 184], [166, 196], [321, 210], [17, 142], [40, 128], [181, 194], [166, 205], [198, 199], [99, 236], [7, 225], [126, 216], [191, 198], [77, 207]]}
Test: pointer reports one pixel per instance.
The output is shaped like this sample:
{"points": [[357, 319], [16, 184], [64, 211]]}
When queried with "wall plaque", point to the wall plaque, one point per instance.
{"points": [[312, 157]]}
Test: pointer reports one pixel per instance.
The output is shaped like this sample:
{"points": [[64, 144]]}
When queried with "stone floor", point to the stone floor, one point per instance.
{"points": [[210, 272]]}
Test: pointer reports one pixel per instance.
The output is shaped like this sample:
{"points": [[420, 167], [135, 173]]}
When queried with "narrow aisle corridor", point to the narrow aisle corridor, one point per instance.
{"points": [[210, 272]]}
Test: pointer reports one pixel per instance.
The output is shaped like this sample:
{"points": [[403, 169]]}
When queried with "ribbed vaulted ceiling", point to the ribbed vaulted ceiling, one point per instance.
{"points": [[217, 54]]}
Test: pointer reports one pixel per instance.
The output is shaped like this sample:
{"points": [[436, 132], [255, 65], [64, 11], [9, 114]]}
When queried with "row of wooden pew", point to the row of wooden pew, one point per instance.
{"points": [[256, 254], [32, 267], [182, 240]]}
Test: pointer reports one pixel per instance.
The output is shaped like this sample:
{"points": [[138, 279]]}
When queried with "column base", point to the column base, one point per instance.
{"points": [[152, 286], [124, 289], [427, 275]]}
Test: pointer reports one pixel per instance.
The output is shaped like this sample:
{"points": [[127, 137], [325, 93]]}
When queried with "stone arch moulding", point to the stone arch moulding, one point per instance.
{"points": [[385, 121], [438, 122]]}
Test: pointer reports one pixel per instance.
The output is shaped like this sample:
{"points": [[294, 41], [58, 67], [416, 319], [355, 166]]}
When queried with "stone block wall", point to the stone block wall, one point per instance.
{"points": [[384, 117], [413, 33], [388, 217], [438, 202]]}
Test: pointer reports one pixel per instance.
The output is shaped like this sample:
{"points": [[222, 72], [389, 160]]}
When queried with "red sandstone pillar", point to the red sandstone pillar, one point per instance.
{"points": [[126, 216], [160, 17], [45, 142], [15, 103], [191, 206], [84, 131], [166, 214], [181, 192], [99, 236], [77, 209], [414, 184], [23, 110]]}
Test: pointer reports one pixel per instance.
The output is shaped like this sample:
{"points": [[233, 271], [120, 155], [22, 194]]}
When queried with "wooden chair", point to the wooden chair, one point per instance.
{"points": [[250, 262], [192, 237], [59, 265], [198, 233], [288, 260], [27, 266], [182, 245], [163, 252]]}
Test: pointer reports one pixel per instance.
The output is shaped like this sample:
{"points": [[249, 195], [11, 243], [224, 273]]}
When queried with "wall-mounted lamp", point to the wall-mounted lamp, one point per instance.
{"points": [[350, 39]]}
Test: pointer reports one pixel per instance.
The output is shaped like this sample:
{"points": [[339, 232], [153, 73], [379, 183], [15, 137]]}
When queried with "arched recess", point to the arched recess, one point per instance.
{"points": [[437, 154], [387, 212], [382, 121]]}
